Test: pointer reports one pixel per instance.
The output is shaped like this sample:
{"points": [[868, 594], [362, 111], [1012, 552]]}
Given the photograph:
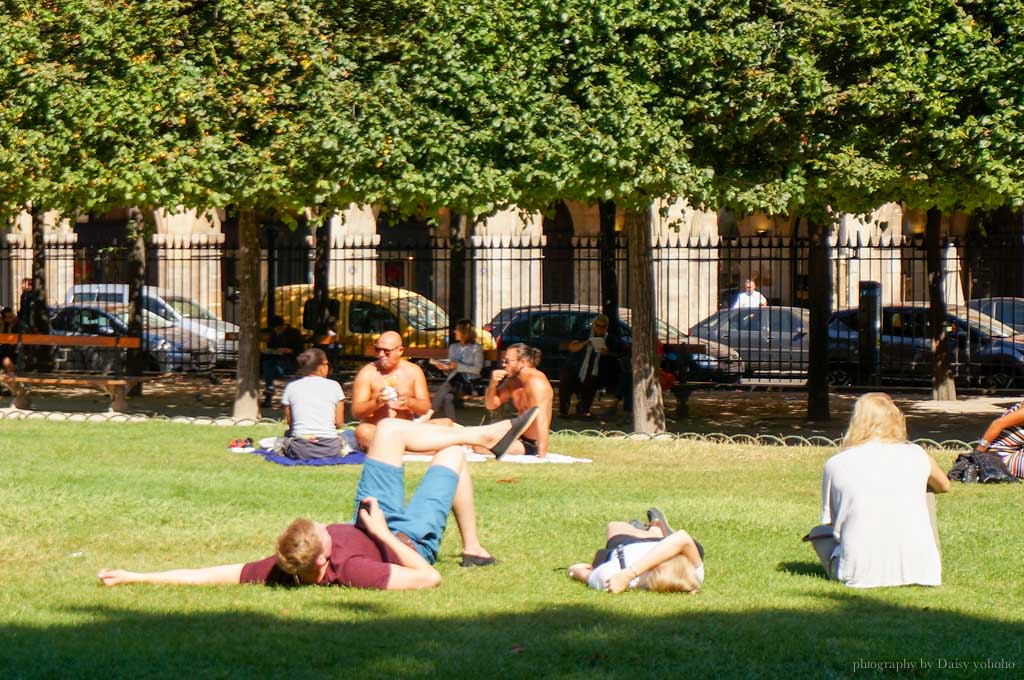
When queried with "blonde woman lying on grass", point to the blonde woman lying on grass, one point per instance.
{"points": [[650, 558]]}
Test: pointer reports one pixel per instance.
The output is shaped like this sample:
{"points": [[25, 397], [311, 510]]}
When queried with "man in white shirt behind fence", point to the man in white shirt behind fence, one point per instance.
{"points": [[750, 297]]}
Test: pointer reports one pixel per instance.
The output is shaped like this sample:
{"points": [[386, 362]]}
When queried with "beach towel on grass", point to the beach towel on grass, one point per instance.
{"points": [[354, 458]]}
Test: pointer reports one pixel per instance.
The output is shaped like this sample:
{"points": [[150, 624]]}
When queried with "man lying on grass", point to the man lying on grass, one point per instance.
{"points": [[391, 546]]}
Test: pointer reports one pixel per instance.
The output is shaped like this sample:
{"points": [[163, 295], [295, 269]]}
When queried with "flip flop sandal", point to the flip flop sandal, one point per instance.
{"points": [[519, 424], [654, 515]]}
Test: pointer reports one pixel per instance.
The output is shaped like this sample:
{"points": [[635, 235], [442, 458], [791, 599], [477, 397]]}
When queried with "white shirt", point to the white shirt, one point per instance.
{"points": [[313, 401], [751, 299], [873, 495], [631, 553]]}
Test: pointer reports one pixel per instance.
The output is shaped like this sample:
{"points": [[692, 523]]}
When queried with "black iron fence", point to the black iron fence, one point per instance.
{"points": [[419, 287]]}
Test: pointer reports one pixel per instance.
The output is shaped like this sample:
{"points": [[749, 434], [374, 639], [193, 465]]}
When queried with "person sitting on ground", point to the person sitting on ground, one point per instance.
{"points": [[750, 297], [390, 545], [283, 348], [388, 388], [878, 505], [1005, 438], [464, 364], [652, 558], [314, 408], [520, 381], [593, 365]]}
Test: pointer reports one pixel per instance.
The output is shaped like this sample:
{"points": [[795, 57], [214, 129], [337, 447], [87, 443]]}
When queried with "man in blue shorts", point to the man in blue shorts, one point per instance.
{"points": [[391, 545]]}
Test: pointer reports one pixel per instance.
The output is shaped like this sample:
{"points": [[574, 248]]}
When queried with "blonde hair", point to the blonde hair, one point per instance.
{"points": [[875, 418], [676, 575], [298, 547]]}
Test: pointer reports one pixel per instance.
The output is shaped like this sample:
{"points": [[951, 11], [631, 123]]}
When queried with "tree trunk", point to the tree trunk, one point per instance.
{"points": [[457, 307], [648, 408], [247, 394], [321, 263], [135, 363], [943, 388], [820, 284], [43, 355], [607, 248]]}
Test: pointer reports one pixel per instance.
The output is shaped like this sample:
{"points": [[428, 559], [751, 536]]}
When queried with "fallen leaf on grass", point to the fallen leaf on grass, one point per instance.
{"points": [[511, 480]]}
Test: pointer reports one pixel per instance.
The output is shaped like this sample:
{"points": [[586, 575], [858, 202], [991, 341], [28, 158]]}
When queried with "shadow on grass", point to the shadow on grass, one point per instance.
{"points": [[574, 640], [808, 568]]}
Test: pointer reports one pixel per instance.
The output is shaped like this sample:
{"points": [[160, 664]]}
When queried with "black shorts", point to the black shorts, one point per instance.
{"points": [[530, 445]]}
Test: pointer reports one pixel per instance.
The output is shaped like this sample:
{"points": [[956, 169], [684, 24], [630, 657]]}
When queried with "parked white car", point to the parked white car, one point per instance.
{"points": [[176, 309]]}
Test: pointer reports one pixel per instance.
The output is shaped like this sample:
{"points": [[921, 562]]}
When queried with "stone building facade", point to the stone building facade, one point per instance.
{"points": [[517, 258]]}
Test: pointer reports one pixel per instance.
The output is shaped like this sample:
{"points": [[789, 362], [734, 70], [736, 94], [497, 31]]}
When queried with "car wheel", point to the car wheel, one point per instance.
{"points": [[999, 378], [840, 376]]}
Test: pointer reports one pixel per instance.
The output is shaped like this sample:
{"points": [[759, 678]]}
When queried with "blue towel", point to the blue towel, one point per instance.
{"points": [[354, 458]]}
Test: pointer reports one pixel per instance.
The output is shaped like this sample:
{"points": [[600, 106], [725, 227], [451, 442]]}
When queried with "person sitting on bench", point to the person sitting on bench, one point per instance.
{"points": [[283, 348], [391, 545], [463, 366]]}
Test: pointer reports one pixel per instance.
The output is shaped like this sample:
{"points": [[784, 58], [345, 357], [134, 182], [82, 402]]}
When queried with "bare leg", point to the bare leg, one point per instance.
{"points": [[463, 505], [364, 435], [620, 528], [394, 437], [464, 508]]}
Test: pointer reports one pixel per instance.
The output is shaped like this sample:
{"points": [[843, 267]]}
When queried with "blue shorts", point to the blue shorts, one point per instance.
{"points": [[424, 518]]}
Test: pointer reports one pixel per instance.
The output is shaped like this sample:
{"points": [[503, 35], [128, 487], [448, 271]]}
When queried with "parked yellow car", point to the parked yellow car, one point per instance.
{"points": [[364, 312]]}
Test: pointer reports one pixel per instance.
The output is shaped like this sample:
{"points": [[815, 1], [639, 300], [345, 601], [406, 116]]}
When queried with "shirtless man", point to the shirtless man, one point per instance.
{"points": [[387, 388], [521, 381]]}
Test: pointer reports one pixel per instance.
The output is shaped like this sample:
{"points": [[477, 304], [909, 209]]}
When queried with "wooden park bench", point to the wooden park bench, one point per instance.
{"points": [[116, 386]]}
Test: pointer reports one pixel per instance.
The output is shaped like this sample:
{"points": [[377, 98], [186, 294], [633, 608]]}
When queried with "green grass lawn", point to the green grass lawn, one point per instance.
{"points": [[75, 497]]}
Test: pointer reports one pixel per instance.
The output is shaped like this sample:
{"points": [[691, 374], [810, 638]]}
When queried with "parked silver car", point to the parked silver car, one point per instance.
{"points": [[770, 340], [167, 348], [1007, 310], [173, 308]]}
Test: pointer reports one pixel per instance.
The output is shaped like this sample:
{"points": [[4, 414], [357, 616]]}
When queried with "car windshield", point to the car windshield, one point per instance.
{"points": [[987, 325], [423, 315], [188, 307], [149, 319], [664, 331]]}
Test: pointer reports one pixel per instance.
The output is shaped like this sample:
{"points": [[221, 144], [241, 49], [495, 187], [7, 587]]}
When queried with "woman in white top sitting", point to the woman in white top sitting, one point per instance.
{"points": [[652, 558], [878, 517], [465, 361]]}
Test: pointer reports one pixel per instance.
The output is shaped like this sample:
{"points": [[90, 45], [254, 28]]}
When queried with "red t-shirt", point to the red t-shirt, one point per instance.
{"points": [[356, 561]]}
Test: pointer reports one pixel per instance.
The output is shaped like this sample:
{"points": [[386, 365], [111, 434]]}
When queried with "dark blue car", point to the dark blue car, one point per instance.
{"points": [[550, 328]]}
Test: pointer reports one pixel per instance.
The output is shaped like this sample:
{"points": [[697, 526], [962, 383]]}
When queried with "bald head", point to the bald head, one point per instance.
{"points": [[389, 351], [389, 339]]}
